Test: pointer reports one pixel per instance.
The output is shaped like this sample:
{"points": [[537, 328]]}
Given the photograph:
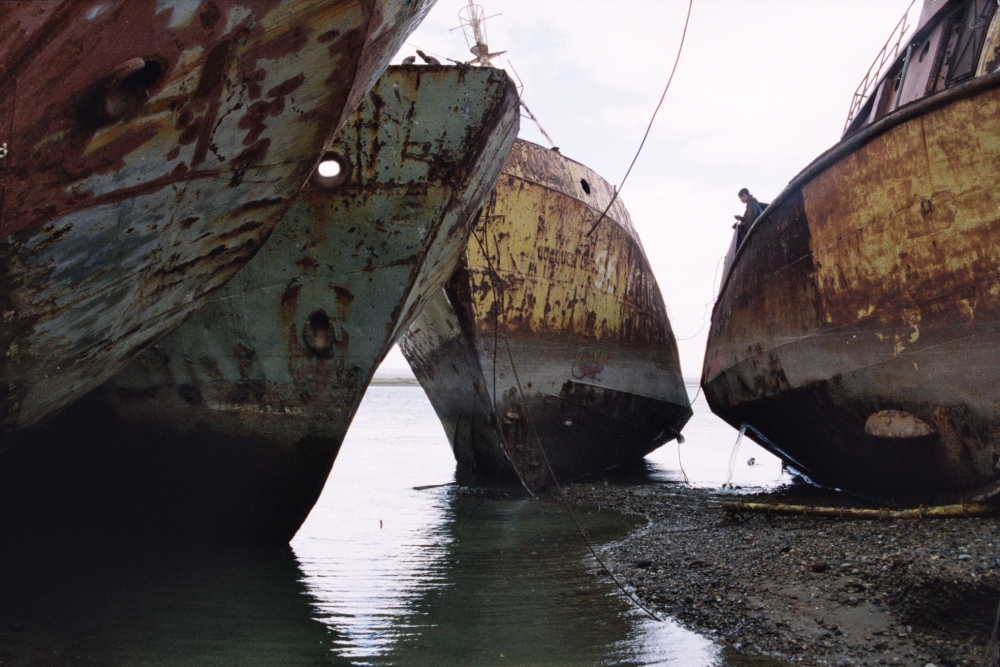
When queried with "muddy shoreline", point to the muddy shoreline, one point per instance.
{"points": [[806, 590]]}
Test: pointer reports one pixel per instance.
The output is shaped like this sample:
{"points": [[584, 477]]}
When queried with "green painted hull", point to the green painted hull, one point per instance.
{"points": [[230, 425]]}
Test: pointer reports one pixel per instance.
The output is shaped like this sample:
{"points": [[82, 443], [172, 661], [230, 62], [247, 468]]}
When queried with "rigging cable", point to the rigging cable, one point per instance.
{"points": [[495, 277], [680, 49], [520, 97], [704, 319], [498, 305]]}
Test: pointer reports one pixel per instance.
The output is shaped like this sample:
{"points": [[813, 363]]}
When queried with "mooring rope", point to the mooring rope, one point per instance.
{"points": [[732, 456], [992, 642], [495, 277]]}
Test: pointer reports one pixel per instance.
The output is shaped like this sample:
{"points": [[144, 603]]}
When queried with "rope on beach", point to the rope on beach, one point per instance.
{"points": [[919, 513]]}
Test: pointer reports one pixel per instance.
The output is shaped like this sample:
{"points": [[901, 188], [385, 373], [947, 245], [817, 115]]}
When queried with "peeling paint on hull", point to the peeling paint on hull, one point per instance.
{"points": [[549, 346], [869, 292], [149, 149], [245, 406]]}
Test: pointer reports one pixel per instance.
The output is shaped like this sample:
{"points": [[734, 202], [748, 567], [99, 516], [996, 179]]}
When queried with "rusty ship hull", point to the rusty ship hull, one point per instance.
{"points": [[148, 150], [549, 354], [227, 428], [857, 330]]}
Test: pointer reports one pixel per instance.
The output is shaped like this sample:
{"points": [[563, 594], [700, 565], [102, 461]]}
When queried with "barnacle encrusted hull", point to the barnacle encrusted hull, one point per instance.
{"points": [[549, 351]]}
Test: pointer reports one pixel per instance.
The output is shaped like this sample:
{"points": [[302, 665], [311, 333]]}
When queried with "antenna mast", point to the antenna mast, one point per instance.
{"points": [[473, 23], [472, 20]]}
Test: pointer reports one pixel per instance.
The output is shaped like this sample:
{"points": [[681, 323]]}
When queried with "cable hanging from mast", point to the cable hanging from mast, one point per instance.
{"points": [[642, 143]]}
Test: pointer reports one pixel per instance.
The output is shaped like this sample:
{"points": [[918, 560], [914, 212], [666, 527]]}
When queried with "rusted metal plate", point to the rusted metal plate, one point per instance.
{"points": [[871, 288], [149, 148], [550, 345], [250, 398]]}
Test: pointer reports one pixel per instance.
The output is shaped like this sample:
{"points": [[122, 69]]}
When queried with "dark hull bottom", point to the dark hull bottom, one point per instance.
{"points": [[585, 430], [85, 476], [819, 429]]}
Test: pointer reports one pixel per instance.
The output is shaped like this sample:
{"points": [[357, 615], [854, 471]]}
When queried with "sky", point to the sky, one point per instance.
{"points": [[762, 88]]}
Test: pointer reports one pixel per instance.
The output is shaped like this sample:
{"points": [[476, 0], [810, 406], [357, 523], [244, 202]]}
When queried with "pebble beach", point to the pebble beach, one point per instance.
{"points": [[802, 590]]}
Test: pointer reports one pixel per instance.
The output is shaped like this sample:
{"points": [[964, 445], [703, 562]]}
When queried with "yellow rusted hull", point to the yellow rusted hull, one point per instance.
{"points": [[561, 338], [858, 329]]}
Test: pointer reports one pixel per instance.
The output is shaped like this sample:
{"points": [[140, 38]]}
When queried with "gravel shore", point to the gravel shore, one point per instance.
{"points": [[805, 590]]}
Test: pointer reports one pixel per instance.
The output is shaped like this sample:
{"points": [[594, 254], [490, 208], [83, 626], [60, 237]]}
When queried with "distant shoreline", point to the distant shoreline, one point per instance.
{"points": [[395, 382]]}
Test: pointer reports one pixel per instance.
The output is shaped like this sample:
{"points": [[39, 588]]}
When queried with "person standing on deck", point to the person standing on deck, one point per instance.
{"points": [[751, 213]]}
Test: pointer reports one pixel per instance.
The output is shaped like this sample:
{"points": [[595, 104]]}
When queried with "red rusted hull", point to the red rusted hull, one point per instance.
{"points": [[550, 354], [858, 329], [149, 148]]}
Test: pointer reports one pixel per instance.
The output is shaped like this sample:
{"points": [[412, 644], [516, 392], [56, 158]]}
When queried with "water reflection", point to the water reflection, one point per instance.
{"points": [[87, 606], [381, 574], [401, 584]]}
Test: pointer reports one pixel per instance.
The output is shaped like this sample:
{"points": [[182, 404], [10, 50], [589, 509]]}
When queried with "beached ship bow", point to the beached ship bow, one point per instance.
{"points": [[856, 331], [228, 427], [147, 150], [549, 354]]}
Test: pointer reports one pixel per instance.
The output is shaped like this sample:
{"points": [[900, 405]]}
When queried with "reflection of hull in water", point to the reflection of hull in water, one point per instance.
{"points": [[565, 351], [233, 421], [858, 329], [506, 574], [148, 151], [112, 606]]}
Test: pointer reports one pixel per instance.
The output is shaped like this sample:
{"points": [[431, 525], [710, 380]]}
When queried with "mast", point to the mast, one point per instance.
{"points": [[472, 20], [473, 23]]}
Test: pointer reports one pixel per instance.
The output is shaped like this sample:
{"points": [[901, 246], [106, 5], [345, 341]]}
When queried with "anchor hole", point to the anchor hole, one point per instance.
{"points": [[125, 90], [318, 333]]}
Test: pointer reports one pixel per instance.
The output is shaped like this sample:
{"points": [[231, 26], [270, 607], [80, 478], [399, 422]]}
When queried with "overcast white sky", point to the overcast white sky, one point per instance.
{"points": [[762, 88]]}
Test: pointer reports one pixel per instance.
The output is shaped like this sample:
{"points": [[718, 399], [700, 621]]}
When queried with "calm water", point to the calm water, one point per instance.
{"points": [[382, 573]]}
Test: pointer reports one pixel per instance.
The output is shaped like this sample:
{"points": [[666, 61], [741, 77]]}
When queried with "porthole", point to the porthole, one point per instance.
{"points": [[126, 89], [318, 333], [924, 51], [585, 185], [332, 170]]}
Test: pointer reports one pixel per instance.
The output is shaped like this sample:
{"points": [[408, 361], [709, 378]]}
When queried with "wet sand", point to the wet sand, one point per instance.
{"points": [[806, 590]]}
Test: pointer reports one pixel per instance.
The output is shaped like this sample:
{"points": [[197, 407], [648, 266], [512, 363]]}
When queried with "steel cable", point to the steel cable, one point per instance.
{"points": [[495, 277], [642, 143]]}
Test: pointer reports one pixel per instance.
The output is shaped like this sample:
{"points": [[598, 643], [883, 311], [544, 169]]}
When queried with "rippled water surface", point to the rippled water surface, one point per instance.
{"points": [[382, 573]]}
